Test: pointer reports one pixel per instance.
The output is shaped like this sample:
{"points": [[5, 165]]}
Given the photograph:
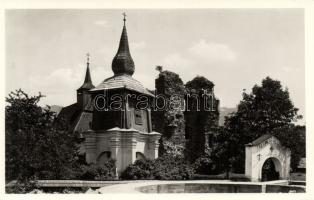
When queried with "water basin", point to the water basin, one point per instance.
{"points": [[218, 188]]}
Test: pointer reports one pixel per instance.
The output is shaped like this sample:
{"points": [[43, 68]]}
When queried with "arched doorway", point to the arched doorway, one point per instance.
{"points": [[270, 170]]}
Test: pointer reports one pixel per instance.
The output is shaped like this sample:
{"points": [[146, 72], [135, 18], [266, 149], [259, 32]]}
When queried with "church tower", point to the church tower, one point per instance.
{"points": [[122, 84], [122, 132], [123, 63], [83, 96]]}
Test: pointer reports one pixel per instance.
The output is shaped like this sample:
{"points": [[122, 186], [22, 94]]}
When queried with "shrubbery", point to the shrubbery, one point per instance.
{"points": [[163, 168], [204, 164], [23, 186], [172, 168], [141, 169], [99, 173], [38, 144]]}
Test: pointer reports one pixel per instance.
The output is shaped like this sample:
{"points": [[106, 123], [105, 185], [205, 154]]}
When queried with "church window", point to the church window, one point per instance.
{"points": [[140, 156], [138, 117]]}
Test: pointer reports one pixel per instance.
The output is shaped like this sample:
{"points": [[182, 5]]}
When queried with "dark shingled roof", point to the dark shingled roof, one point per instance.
{"points": [[122, 81], [123, 69], [83, 123], [123, 63], [77, 119], [259, 140], [69, 113], [87, 85]]}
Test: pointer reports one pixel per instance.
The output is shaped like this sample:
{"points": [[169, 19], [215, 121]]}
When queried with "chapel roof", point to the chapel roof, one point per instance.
{"points": [[87, 85], [123, 63], [123, 69], [122, 81], [78, 120]]}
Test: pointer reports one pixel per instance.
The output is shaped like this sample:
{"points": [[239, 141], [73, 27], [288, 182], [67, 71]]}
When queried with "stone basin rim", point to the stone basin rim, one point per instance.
{"points": [[132, 187]]}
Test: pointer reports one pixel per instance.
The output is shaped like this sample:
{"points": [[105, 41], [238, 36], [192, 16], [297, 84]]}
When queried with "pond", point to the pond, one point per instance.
{"points": [[218, 188]]}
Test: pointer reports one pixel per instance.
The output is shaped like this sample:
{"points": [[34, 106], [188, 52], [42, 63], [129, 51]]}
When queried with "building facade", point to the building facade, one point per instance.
{"points": [[113, 119]]}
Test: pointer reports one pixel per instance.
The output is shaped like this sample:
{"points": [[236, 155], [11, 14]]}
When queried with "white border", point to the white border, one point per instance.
{"points": [[308, 5]]}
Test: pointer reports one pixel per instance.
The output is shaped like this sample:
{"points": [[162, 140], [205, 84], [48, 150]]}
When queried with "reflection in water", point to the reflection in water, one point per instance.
{"points": [[213, 188]]}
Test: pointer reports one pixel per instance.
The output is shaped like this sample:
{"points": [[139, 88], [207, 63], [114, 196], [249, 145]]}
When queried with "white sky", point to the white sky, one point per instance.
{"points": [[234, 48]]}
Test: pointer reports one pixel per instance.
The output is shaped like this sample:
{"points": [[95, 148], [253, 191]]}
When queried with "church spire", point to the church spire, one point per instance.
{"points": [[122, 62], [87, 85]]}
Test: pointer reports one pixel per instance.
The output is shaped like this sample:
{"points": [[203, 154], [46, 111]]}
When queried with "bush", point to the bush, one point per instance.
{"points": [[38, 144], [203, 165], [172, 168], [23, 186], [141, 169], [99, 173], [163, 168]]}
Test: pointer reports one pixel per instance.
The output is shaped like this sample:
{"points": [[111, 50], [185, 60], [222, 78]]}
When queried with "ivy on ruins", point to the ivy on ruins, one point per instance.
{"points": [[201, 116], [191, 113], [168, 118]]}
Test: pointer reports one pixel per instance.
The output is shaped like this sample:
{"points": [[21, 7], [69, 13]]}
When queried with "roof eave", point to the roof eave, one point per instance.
{"points": [[114, 88]]}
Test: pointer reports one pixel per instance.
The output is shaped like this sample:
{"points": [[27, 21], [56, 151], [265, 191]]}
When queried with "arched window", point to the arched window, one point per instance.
{"points": [[140, 156], [138, 117]]}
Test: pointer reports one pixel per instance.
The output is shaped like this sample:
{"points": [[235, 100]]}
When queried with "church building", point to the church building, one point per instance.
{"points": [[121, 132]]}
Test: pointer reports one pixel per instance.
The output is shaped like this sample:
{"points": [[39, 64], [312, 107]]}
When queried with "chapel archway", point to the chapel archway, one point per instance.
{"points": [[271, 170], [266, 159]]}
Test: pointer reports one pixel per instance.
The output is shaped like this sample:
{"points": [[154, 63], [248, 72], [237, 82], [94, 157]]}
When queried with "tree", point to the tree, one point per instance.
{"points": [[293, 137], [37, 144], [221, 154], [266, 110]]}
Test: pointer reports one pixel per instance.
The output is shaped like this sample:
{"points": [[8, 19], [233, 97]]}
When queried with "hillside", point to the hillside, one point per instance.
{"points": [[224, 112]]}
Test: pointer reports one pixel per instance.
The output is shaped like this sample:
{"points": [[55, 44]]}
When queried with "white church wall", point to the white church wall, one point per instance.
{"points": [[258, 154]]}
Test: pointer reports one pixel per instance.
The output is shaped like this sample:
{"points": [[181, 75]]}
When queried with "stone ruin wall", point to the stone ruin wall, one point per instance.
{"points": [[188, 129]]}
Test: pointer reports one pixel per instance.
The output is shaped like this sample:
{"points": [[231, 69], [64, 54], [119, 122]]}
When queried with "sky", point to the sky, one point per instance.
{"points": [[234, 48]]}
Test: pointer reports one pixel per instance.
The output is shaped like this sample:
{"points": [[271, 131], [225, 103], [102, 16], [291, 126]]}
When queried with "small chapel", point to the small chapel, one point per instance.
{"points": [[123, 134]]}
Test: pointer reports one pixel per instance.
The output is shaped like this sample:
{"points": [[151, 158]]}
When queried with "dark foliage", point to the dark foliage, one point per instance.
{"points": [[163, 168], [172, 168], [204, 164], [199, 83], [37, 144], [200, 120], [23, 186], [141, 169], [266, 110], [99, 173], [293, 137], [170, 120]]}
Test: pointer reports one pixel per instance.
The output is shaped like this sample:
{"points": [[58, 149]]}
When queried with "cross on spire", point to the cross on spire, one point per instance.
{"points": [[88, 80], [123, 63], [124, 19]]}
